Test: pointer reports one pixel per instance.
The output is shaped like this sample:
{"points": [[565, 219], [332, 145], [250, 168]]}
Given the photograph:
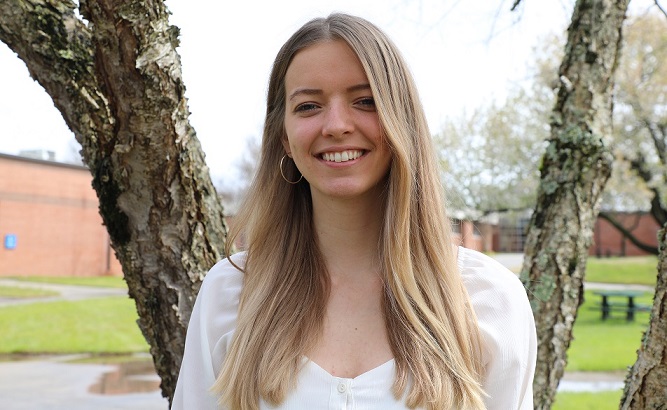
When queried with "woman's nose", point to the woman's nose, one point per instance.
{"points": [[338, 120]]}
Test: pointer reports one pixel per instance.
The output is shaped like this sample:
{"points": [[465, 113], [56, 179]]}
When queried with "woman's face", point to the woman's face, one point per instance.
{"points": [[332, 128]]}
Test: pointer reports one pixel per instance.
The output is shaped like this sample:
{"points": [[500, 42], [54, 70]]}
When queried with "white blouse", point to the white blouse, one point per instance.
{"points": [[498, 298]]}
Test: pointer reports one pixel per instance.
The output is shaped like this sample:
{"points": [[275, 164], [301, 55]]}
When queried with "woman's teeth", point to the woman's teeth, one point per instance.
{"points": [[342, 156]]}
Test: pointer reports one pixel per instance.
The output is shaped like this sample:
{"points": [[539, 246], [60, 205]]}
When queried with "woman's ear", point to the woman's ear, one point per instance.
{"points": [[286, 146]]}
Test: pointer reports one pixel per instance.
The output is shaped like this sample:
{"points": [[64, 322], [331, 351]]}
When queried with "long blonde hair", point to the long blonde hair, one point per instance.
{"points": [[432, 328]]}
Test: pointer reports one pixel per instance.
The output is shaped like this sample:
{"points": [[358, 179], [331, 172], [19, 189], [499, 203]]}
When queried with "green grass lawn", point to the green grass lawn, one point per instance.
{"points": [[609, 345], [98, 281], [102, 325], [635, 269], [607, 400], [17, 292], [605, 345]]}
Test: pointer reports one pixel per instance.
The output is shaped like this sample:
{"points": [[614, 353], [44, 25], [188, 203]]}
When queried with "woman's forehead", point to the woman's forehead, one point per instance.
{"points": [[323, 64]]}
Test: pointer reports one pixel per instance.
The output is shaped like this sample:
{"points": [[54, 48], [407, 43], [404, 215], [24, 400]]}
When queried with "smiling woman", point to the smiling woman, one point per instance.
{"points": [[350, 293]]}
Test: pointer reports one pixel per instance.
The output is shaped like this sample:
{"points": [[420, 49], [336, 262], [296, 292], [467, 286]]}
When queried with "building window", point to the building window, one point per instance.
{"points": [[475, 230], [512, 233], [456, 226]]}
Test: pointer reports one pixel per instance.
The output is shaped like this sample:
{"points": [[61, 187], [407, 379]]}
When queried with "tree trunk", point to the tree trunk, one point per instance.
{"points": [[646, 384], [117, 82], [575, 168]]}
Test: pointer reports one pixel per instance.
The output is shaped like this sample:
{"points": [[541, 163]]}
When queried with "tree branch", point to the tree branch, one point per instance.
{"points": [[661, 8], [57, 49], [653, 250], [657, 132], [486, 212]]}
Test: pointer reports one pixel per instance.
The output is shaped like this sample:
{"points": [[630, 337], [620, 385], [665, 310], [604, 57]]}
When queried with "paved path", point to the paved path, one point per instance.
{"points": [[514, 262], [65, 292], [591, 381], [55, 384], [617, 286]]}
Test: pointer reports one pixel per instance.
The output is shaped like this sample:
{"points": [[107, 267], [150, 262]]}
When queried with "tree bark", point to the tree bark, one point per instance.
{"points": [[117, 82], [646, 383], [575, 169]]}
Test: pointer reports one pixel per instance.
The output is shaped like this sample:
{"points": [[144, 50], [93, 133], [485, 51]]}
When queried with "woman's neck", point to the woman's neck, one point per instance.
{"points": [[348, 234]]}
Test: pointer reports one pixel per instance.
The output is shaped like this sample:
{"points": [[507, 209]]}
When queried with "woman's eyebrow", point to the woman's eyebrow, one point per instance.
{"points": [[304, 91], [359, 87], [316, 91]]}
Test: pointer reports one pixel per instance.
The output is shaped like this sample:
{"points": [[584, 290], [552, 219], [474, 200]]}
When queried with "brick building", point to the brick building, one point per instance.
{"points": [[509, 234], [473, 234], [608, 241], [49, 221]]}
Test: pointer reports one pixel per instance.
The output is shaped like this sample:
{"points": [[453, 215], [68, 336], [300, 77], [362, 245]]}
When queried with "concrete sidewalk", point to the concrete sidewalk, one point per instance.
{"points": [[55, 383]]}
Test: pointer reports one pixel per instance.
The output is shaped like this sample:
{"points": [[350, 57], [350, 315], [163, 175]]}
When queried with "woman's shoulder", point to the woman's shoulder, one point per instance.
{"points": [[507, 328], [483, 274], [498, 297], [224, 272], [210, 330], [220, 292]]}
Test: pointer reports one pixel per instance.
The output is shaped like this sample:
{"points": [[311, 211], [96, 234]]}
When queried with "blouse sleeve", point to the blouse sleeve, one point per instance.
{"points": [[507, 328], [209, 332]]}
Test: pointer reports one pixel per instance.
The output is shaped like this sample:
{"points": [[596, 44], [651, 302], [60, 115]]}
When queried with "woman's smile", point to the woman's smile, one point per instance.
{"points": [[342, 156]]}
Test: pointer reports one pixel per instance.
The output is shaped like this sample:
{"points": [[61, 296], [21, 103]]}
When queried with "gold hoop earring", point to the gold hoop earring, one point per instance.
{"points": [[280, 165]]}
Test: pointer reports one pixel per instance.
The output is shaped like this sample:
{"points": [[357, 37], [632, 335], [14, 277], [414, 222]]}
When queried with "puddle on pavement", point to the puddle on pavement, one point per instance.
{"points": [[131, 374]]}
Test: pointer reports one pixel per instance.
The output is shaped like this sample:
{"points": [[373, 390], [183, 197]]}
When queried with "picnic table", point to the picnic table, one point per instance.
{"points": [[628, 306]]}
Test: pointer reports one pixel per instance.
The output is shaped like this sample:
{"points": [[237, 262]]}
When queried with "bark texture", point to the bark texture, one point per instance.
{"points": [[116, 79], [574, 171], [646, 383]]}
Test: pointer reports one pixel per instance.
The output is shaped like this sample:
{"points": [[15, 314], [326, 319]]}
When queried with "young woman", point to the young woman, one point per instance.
{"points": [[350, 294]]}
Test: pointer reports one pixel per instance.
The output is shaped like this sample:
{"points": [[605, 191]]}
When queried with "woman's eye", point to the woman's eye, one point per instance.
{"points": [[367, 102], [305, 107]]}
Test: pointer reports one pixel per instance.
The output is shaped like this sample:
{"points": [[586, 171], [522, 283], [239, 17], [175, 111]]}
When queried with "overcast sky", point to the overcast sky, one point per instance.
{"points": [[462, 53]]}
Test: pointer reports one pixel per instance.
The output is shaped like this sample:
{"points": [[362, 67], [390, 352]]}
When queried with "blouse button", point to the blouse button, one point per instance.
{"points": [[342, 387]]}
